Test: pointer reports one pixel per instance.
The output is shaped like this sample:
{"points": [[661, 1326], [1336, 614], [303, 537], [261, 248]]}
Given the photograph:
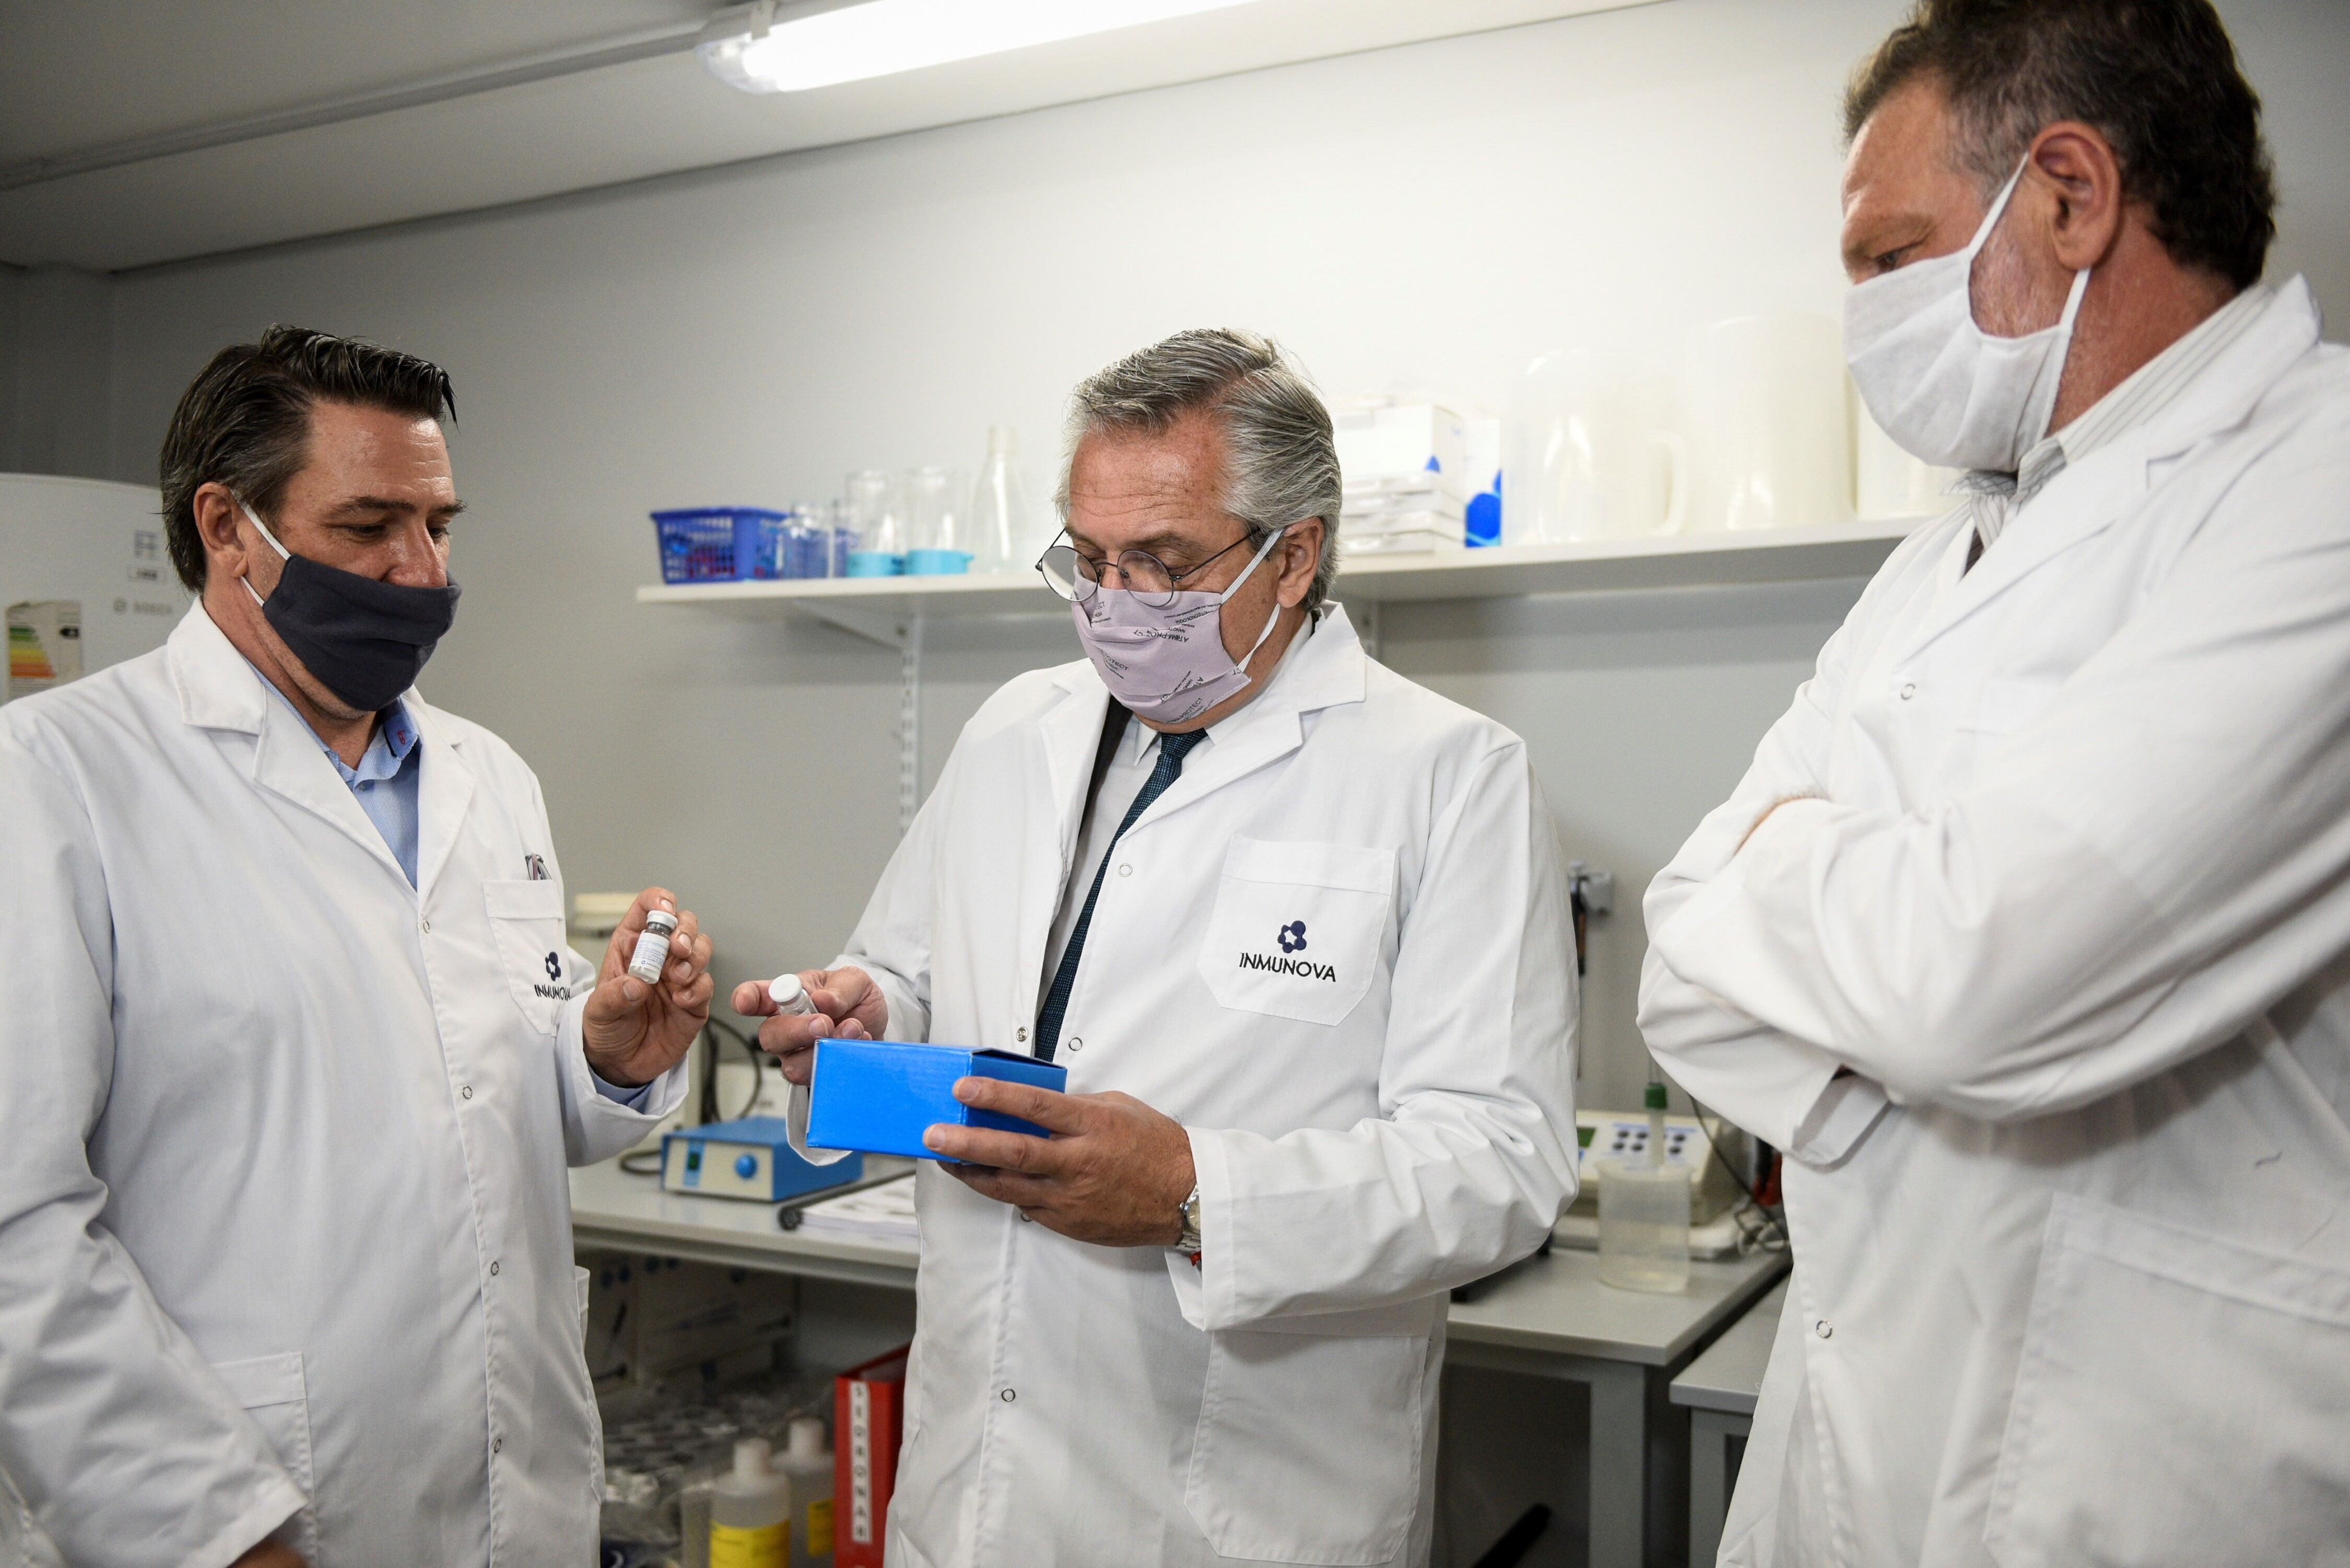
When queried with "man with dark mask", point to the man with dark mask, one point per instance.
{"points": [[296, 1054]]}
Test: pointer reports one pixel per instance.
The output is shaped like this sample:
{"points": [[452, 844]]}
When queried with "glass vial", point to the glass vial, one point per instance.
{"points": [[652, 947]]}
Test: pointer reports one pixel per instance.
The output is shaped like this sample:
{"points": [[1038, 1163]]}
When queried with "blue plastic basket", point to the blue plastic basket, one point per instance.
{"points": [[718, 544]]}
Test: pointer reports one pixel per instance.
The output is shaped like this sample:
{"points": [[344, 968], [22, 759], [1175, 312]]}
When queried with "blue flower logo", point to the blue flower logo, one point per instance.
{"points": [[553, 967], [1293, 936]]}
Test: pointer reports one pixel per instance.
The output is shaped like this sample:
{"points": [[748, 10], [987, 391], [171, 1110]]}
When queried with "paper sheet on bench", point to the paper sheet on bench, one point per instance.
{"points": [[882, 1213]]}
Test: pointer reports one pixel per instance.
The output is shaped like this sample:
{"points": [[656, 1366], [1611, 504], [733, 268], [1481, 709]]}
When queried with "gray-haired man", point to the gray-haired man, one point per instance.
{"points": [[1299, 937]]}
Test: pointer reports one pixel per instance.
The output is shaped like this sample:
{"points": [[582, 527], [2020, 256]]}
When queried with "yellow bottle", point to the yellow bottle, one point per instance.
{"points": [[751, 1512]]}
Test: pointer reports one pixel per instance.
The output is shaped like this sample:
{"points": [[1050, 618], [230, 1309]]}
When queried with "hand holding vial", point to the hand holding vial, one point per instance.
{"points": [[635, 1028], [812, 1005]]}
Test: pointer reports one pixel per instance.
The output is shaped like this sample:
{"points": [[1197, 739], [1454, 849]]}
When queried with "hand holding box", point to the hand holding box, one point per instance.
{"points": [[879, 1096]]}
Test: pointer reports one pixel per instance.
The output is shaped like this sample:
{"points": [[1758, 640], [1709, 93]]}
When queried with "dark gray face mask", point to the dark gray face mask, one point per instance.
{"points": [[365, 640]]}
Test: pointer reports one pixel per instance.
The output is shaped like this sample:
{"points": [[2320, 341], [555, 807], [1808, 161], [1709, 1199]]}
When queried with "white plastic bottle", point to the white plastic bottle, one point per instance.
{"points": [[751, 1512], [808, 1465]]}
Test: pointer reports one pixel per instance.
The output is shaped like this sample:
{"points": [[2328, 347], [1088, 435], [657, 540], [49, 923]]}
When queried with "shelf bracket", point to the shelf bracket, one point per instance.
{"points": [[888, 630], [910, 724], [904, 633]]}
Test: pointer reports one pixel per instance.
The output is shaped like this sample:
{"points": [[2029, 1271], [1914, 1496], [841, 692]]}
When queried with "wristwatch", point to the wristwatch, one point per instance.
{"points": [[1189, 1242]]}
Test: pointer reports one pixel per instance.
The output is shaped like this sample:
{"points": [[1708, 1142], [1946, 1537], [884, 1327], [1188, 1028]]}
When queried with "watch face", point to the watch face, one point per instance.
{"points": [[1189, 1242]]}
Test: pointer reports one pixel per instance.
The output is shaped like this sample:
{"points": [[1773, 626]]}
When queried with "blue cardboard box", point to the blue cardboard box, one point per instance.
{"points": [[752, 1157], [881, 1096]]}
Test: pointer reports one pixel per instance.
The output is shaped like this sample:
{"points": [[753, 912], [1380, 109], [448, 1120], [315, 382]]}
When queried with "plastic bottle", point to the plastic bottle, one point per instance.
{"points": [[751, 1512], [1644, 1215], [1000, 520], [808, 1464], [652, 946]]}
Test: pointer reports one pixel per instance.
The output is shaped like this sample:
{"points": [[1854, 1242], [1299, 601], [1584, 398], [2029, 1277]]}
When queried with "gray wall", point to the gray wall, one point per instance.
{"points": [[12, 360], [57, 348], [1433, 215]]}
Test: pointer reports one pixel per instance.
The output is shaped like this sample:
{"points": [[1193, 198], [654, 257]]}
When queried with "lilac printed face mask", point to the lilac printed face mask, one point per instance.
{"points": [[1166, 662]]}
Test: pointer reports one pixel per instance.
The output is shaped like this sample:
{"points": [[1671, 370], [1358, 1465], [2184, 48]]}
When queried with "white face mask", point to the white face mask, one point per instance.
{"points": [[1939, 384]]}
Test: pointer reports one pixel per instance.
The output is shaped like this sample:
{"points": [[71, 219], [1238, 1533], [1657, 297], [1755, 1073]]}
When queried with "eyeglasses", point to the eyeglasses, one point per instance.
{"points": [[1151, 581]]}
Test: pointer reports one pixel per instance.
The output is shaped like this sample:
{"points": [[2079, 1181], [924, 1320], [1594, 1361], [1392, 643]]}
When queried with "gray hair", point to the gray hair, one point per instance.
{"points": [[1281, 460]]}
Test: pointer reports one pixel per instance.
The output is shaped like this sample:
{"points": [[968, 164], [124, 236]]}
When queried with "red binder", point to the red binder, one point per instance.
{"points": [[868, 1411]]}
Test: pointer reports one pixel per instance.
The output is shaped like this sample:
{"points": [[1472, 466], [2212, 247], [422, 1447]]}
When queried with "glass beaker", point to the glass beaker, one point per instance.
{"points": [[934, 507], [1644, 1225], [839, 520], [878, 508], [881, 511]]}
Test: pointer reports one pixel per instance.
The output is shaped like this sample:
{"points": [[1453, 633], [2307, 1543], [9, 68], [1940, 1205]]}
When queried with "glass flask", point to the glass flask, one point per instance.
{"points": [[1001, 526]]}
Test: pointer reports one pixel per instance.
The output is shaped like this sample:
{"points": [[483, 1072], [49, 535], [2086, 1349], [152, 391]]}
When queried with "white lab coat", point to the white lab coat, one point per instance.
{"points": [[1366, 1138], [2074, 898], [284, 1216]]}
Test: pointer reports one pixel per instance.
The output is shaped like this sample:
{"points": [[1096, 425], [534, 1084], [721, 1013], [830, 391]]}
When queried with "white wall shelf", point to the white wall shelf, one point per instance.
{"points": [[892, 611], [1674, 561]]}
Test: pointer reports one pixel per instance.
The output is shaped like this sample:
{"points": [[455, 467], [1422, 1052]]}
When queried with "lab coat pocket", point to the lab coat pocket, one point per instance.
{"points": [[1298, 928], [272, 1390], [2178, 1401], [526, 919], [1308, 1445]]}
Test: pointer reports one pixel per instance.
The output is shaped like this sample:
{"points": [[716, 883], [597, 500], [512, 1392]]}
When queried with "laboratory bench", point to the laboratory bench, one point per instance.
{"points": [[1549, 1316]]}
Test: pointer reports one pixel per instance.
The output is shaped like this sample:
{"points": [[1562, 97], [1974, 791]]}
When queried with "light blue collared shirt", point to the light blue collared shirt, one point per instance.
{"points": [[385, 785]]}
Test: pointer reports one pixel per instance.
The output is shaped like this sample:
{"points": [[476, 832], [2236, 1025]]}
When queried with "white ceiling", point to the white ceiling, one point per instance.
{"points": [[141, 131]]}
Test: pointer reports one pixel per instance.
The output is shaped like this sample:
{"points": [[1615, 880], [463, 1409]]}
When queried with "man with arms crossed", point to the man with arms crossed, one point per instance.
{"points": [[1298, 930], [2027, 935], [294, 1053]]}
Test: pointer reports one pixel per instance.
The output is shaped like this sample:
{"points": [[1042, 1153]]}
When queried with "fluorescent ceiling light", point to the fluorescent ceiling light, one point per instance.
{"points": [[758, 51]]}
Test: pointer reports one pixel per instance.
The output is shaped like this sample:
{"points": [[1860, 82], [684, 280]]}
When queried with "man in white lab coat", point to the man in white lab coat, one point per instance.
{"points": [[1297, 929], [2027, 935], [295, 1056]]}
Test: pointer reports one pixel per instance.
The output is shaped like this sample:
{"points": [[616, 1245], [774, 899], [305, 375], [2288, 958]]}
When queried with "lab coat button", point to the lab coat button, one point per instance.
{"points": [[1075, 1046], [1126, 870], [467, 1091], [1021, 1035], [1824, 1328], [1009, 1396], [493, 1266], [1908, 691], [425, 926], [497, 1444]]}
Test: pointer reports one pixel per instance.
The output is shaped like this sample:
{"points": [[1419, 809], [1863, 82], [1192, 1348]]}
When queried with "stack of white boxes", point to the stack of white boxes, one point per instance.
{"points": [[1419, 476]]}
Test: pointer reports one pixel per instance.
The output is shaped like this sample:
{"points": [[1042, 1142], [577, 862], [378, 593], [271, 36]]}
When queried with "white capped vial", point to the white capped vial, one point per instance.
{"points": [[790, 995], [652, 947]]}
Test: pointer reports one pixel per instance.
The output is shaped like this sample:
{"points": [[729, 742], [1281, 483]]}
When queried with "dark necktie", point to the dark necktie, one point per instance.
{"points": [[1172, 749]]}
